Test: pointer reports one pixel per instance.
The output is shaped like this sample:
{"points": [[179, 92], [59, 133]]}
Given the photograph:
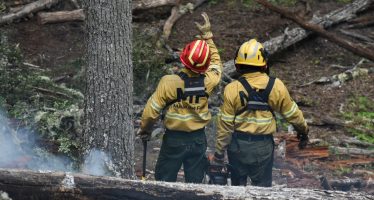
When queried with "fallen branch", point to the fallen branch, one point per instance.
{"points": [[357, 36], [291, 37], [356, 49], [348, 151], [12, 3], [60, 16], [362, 22], [53, 93], [148, 4], [347, 75], [75, 4], [26, 10], [176, 13], [25, 184]]}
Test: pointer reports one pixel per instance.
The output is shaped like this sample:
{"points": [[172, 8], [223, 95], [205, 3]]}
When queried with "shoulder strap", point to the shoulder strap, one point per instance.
{"points": [[265, 94], [183, 75], [246, 85]]}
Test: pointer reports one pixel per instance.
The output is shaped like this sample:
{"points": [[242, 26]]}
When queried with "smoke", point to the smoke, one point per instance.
{"points": [[96, 163], [19, 149]]}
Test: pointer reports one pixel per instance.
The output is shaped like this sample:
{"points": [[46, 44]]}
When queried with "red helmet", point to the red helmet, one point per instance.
{"points": [[196, 56]]}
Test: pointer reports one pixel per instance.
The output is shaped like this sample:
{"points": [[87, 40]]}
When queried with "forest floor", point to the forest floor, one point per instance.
{"points": [[58, 46]]}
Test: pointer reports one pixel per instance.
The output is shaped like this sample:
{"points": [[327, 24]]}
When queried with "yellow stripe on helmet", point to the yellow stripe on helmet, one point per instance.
{"points": [[193, 51], [205, 59]]}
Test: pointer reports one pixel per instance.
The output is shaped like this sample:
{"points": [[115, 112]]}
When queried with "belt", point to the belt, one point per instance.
{"points": [[198, 132], [250, 137]]}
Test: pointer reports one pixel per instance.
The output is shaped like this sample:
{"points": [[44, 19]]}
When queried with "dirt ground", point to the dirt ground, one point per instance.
{"points": [[57, 45]]}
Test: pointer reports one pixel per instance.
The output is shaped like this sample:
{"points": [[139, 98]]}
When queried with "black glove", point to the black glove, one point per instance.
{"points": [[303, 140], [218, 159], [144, 135]]}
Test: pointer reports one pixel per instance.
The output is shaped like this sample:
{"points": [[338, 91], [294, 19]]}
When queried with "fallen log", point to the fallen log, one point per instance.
{"points": [[60, 16], [148, 4], [291, 37], [27, 9], [356, 49], [25, 184], [344, 184]]}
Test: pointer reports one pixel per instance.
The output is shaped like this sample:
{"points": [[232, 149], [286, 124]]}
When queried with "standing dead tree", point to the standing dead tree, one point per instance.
{"points": [[356, 49], [295, 35], [24, 184]]}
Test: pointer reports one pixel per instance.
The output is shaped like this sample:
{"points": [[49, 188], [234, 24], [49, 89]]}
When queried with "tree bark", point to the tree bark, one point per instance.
{"points": [[23, 184], [60, 16], [109, 91], [291, 37], [29, 8], [356, 49]]}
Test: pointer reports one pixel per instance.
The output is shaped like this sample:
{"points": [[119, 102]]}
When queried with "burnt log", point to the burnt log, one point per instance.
{"points": [[295, 35], [60, 16], [25, 184]]}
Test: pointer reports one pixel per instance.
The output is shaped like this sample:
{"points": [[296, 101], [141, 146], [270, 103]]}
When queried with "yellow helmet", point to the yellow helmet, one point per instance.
{"points": [[251, 53]]}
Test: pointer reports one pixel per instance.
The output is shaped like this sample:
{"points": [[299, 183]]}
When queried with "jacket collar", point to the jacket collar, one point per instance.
{"points": [[189, 72], [254, 74]]}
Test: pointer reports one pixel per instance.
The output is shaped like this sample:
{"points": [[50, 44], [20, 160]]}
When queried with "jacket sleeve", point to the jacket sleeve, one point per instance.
{"points": [[214, 72], [288, 108], [154, 106], [225, 123]]}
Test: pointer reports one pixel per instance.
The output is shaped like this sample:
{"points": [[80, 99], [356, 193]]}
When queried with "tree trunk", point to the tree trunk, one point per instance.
{"points": [[23, 184], [60, 16], [109, 92]]}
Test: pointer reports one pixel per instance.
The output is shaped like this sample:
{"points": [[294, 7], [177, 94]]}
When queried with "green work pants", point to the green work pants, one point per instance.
{"points": [[182, 148], [251, 157]]}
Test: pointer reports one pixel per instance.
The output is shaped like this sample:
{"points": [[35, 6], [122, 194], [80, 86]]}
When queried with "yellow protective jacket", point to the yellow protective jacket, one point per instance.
{"points": [[182, 116], [255, 122]]}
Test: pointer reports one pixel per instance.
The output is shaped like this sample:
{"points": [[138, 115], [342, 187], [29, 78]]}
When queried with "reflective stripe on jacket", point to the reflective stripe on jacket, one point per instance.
{"points": [[255, 122], [183, 115]]}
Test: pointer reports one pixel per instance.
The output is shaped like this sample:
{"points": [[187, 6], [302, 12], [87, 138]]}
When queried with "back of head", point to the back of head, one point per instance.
{"points": [[251, 57], [196, 56]]}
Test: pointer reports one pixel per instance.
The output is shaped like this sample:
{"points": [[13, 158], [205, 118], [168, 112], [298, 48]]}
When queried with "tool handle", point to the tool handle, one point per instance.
{"points": [[144, 158]]}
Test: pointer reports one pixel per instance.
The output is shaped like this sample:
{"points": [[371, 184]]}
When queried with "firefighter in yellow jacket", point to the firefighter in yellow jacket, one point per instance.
{"points": [[184, 99], [246, 121]]}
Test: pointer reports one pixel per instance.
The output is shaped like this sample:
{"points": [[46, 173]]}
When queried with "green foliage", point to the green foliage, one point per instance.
{"points": [[360, 110], [35, 101], [2, 7], [251, 3], [343, 171], [148, 61], [344, 1]]}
